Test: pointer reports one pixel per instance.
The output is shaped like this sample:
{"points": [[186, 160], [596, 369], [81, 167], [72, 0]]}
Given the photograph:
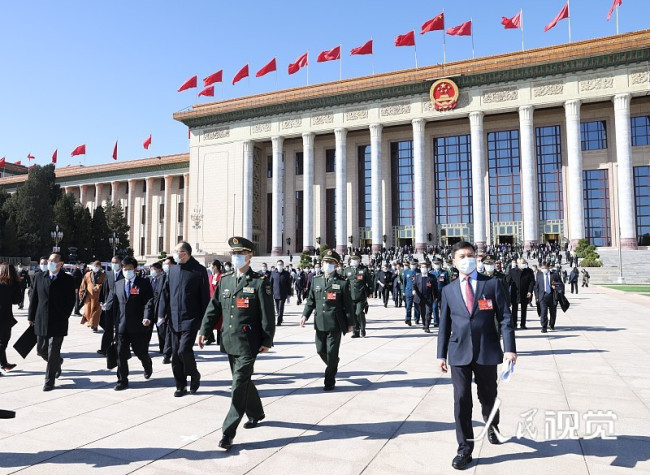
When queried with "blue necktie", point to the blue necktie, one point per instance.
{"points": [[127, 288]]}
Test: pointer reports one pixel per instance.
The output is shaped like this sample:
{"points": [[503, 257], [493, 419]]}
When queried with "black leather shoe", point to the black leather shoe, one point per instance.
{"points": [[329, 387], [363, 333], [461, 461], [278, 324], [101, 352], [355, 335], [121, 386], [148, 372], [195, 383], [492, 436], [408, 322], [167, 360], [225, 443], [252, 423], [180, 392], [544, 330], [47, 387], [426, 330]]}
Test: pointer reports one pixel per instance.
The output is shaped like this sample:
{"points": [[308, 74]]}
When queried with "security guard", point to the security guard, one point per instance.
{"points": [[408, 279], [491, 271], [243, 300], [442, 278], [453, 272], [361, 285], [329, 296]]}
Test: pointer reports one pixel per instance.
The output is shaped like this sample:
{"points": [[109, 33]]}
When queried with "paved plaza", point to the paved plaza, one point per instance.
{"points": [[390, 413]]}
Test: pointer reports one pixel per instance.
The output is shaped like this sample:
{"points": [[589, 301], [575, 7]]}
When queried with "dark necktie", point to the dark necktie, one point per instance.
{"points": [[469, 295], [127, 288]]}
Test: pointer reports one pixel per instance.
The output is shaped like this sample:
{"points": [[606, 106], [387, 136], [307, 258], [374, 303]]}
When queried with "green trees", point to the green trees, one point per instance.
{"points": [[587, 253]]}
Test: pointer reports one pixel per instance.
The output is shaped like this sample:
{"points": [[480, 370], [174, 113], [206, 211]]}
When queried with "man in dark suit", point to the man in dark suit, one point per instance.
{"points": [[185, 296], [157, 278], [113, 277], [425, 294], [78, 276], [385, 282], [280, 284], [545, 286], [521, 281], [469, 342], [132, 314], [24, 281], [50, 307]]}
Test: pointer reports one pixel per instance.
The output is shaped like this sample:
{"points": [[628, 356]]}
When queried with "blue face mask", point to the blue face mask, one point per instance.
{"points": [[51, 266], [115, 266], [238, 260]]}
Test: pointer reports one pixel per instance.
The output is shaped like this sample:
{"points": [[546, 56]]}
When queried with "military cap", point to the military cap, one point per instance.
{"points": [[331, 255], [355, 256], [238, 243], [414, 261], [437, 261], [488, 261]]}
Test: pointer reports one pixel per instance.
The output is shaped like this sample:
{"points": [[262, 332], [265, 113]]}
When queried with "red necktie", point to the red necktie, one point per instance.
{"points": [[469, 295]]}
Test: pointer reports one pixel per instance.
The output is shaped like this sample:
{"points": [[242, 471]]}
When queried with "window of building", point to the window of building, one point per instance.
{"points": [[298, 245], [143, 215], [365, 187], [549, 172], [161, 213], [330, 155], [126, 213], [641, 130], [179, 238], [299, 163], [142, 252], [505, 186], [593, 135], [160, 244], [642, 200], [181, 182], [126, 184], [401, 154], [144, 186], [596, 203], [330, 217], [180, 212], [162, 184], [269, 166], [452, 161]]}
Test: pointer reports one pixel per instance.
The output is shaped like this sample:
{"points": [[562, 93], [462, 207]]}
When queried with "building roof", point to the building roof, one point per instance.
{"points": [[560, 59], [75, 172]]}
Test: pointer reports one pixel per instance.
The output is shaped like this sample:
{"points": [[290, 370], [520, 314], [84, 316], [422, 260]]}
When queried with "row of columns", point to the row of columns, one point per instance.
{"points": [[529, 182]]}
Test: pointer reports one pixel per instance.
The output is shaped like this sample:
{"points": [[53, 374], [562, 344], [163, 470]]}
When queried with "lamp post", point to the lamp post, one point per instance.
{"points": [[197, 217], [57, 236], [114, 242], [621, 279]]}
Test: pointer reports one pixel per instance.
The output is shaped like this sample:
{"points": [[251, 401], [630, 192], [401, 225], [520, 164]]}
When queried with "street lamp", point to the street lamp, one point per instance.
{"points": [[57, 236], [114, 242], [197, 217]]}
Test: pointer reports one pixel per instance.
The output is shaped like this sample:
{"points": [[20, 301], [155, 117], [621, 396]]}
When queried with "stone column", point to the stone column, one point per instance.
{"points": [[167, 225], [83, 195], [99, 189], [375, 187], [114, 190], [575, 187], [247, 204], [626, 204], [341, 202], [131, 211], [478, 178], [150, 217], [186, 208], [308, 192], [276, 205], [529, 206], [419, 191]]}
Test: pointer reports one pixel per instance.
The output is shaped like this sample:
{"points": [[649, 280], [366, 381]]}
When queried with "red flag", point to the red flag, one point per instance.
{"points": [[55, 155], [208, 91], [437, 23], [189, 84], [510, 23], [461, 30], [30, 156], [212, 78], [80, 150], [115, 151], [270, 66], [147, 143], [301, 62], [406, 40], [617, 3], [364, 49], [18, 162], [3, 161], [329, 55], [243, 73], [564, 13]]}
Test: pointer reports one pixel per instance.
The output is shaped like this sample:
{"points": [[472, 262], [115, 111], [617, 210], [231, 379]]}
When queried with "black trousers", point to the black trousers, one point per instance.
{"points": [[5, 336], [22, 298], [299, 294], [327, 347], [548, 311], [574, 286], [245, 400], [385, 293], [486, 386], [183, 362], [164, 340], [76, 301], [49, 348], [426, 311], [523, 305], [279, 309], [140, 344], [397, 297]]}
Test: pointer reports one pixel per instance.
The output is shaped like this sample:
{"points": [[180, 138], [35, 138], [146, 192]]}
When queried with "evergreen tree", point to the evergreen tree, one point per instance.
{"points": [[117, 224], [82, 233], [10, 239], [99, 232], [64, 217]]}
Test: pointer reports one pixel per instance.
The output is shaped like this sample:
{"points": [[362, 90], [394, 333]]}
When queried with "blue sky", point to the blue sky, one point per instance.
{"points": [[74, 72]]}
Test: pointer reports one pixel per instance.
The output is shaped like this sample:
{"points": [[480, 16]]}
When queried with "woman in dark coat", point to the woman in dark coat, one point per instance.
{"points": [[10, 294]]}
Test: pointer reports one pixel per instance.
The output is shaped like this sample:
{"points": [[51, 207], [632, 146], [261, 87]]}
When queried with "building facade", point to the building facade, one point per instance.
{"points": [[550, 144]]}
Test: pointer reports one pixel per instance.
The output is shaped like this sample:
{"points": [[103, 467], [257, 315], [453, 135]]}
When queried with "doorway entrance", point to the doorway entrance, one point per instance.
{"points": [[506, 239], [451, 240], [551, 238]]}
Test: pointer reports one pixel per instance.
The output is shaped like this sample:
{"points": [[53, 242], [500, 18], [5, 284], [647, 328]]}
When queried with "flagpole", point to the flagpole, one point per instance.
{"points": [[617, 19], [340, 63], [415, 52], [372, 55], [276, 72], [471, 20], [569, 18], [521, 19], [308, 67], [444, 40]]}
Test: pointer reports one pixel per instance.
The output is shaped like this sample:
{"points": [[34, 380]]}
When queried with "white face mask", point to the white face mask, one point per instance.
{"points": [[466, 265], [51, 266], [436, 266], [544, 271], [129, 274], [280, 267], [264, 269], [480, 266], [489, 268], [154, 273], [115, 266], [95, 268], [513, 265], [424, 270], [238, 261], [165, 268], [328, 268], [354, 263], [524, 266], [413, 267], [43, 267], [176, 257], [317, 270]]}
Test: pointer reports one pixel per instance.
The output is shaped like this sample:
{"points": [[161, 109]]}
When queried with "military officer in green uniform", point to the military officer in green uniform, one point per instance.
{"points": [[491, 271], [243, 303], [361, 284], [329, 296]]}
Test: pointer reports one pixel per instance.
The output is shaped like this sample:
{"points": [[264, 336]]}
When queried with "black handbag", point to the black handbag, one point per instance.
{"points": [[111, 355]]}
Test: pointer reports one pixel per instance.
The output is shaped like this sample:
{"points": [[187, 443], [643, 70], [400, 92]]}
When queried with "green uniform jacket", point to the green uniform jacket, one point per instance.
{"points": [[248, 313], [361, 283], [332, 302]]}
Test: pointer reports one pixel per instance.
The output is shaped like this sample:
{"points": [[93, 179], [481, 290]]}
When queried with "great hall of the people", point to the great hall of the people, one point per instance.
{"points": [[551, 144]]}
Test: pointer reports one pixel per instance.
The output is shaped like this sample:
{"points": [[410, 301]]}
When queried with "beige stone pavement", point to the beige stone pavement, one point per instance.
{"points": [[392, 411]]}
